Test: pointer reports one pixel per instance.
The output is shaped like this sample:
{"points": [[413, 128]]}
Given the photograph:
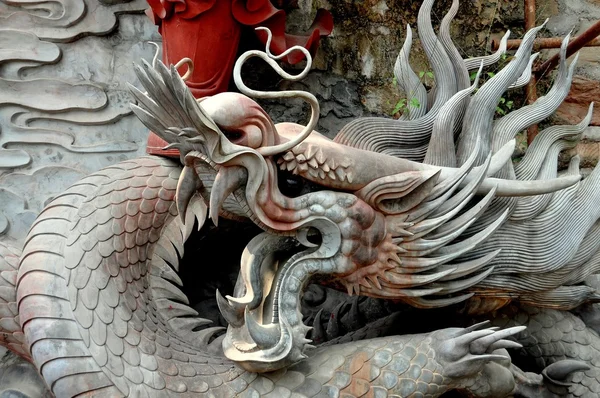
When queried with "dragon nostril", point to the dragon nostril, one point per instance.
{"points": [[290, 185]]}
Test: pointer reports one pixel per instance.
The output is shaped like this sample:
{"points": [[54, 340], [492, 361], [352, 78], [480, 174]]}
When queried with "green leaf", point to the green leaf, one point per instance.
{"points": [[491, 74], [500, 111], [421, 74], [509, 104], [429, 75], [395, 81], [399, 106], [414, 102], [473, 76]]}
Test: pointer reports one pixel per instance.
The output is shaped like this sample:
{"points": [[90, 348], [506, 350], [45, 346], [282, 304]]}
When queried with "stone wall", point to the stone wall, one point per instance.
{"points": [[354, 68]]}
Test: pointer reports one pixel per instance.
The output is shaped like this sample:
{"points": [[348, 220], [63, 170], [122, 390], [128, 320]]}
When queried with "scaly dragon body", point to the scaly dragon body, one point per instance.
{"points": [[427, 210]]}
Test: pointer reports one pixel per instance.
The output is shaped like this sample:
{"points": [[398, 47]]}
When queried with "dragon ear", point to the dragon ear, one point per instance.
{"points": [[400, 192]]}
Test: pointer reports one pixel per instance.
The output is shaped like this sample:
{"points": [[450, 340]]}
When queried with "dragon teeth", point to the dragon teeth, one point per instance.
{"points": [[310, 151], [320, 157], [302, 167]]}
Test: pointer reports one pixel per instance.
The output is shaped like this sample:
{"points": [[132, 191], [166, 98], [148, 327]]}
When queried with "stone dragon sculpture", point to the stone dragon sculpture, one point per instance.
{"points": [[427, 210]]}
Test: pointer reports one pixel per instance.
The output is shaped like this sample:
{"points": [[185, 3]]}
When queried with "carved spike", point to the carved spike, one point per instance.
{"points": [[349, 288], [309, 347], [410, 280], [161, 269], [462, 284], [196, 208], [333, 324], [476, 326], [467, 338], [227, 180], [504, 344], [468, 267], [171, 309], [231, 315], [166, 251], [373, 279], [167, 290], [364, 282], [172, 233], [559, 371], [421, 302], [305, 329], [186, 325], [265, 336], [187, 185], [482, 345], [203, 337], [318, 334]]}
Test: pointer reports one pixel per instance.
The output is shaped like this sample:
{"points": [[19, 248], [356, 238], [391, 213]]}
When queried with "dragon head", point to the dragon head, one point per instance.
{"points": [[376, 224]]}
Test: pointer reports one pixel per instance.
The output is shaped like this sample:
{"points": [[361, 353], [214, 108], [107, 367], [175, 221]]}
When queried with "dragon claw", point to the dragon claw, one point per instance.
{"points": [[484, 344], [469, 350], [558, 372], [552, 383]]}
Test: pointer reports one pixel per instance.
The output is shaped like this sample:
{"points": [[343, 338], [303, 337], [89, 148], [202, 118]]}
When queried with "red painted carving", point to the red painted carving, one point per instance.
{"points": [[209, 31]]}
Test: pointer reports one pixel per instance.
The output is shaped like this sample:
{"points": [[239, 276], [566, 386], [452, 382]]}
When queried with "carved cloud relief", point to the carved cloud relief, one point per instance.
{"points": [[64, 106]]}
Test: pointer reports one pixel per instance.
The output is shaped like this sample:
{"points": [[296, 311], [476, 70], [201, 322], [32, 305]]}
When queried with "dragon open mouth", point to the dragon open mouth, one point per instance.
{"points": [[265, 322]]}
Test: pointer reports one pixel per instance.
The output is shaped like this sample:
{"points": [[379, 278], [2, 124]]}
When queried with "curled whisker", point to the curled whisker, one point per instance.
{"points": [[271, 59]]}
